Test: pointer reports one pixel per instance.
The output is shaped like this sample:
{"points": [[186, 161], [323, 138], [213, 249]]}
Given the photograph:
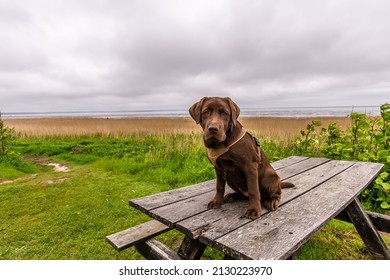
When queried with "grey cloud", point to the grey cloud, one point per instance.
{"points": [[132, 54]]}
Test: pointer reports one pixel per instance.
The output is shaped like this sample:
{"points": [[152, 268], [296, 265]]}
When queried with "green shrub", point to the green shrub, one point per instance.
{"points": [[11, 163], [7, 136], [367, 139]]}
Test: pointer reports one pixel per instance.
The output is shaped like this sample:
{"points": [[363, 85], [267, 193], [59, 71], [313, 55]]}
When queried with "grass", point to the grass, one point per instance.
{"points": [[66, 220], [51, 215], [337, 240], [8, 172], [67, 215]]}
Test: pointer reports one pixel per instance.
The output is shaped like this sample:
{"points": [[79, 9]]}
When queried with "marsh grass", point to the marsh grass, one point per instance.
{"points": [[103, 127], [272, 128]]}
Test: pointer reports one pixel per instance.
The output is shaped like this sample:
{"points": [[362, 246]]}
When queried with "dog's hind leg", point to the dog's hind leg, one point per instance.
{"points": [[270, 188], [273, 203]]}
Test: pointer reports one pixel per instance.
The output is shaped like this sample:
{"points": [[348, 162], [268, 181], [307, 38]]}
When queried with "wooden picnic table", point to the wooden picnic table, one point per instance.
{"points": [[324, 189]]}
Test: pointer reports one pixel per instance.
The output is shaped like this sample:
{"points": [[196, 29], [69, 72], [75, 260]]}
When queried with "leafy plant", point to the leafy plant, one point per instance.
{"points": [[367, 139], [11, 162], [7, 135], [308, 139]]}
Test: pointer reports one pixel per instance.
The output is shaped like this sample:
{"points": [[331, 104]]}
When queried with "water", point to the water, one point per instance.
{"points": [[303, 112], [287, 112]]}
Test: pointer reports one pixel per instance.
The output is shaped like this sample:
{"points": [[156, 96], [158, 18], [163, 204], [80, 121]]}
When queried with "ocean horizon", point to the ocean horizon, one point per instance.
{"points": [[277, 112]]}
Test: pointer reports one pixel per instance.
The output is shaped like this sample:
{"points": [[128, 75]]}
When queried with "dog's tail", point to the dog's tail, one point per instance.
{"points": [[287, 185]]}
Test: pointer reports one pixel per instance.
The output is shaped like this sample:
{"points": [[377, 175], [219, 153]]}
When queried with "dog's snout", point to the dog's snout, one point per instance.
{"points": [[213, 128]]}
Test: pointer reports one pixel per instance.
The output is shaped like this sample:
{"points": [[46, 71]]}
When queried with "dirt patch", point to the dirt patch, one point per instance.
{"points": [[59, 167], [6, 182], [17, 180], [43, 161]]}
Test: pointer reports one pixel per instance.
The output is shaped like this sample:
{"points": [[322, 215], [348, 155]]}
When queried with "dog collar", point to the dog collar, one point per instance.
{"points": [[214, 154]]}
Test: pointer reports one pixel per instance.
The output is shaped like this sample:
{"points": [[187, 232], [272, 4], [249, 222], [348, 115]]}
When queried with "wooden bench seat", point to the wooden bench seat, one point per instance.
{"points": [[141, 236], [134, 235]]}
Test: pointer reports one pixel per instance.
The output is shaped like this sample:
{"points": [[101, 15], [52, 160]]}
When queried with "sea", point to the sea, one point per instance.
{"points": [[277, 112]]}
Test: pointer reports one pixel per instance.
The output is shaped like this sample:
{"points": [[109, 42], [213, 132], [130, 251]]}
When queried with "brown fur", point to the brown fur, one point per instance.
{"points": [[244, 166]]}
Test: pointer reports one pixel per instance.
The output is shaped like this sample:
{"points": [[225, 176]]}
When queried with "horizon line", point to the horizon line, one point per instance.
{"points": [[178, 110]]}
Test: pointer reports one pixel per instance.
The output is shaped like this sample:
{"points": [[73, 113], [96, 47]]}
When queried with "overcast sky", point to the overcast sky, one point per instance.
{"points": [[91, 55]]}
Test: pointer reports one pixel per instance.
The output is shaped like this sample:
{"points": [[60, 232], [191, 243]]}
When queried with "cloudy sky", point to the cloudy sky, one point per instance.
{"points": [[108, 55]]}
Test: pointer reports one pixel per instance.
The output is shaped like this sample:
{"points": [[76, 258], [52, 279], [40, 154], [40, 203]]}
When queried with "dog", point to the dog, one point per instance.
{"points": [[237, 158]]}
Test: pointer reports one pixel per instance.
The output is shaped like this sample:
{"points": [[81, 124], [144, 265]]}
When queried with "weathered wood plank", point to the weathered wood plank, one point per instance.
{"points": [[367, 231], [295, 169], [295, 255], [287, 162], [380, 221], [153, 201], [153, 249], [215, 223], [172, 213], [147, 203], [131, 236], [277, 235]]}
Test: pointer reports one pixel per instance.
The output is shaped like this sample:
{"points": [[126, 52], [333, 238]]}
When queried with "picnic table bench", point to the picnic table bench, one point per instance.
{"points": [[324, 189]]}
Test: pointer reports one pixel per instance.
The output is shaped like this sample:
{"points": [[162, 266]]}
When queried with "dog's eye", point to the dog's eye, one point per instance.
{"points": [[225, 114], [205, 112]]}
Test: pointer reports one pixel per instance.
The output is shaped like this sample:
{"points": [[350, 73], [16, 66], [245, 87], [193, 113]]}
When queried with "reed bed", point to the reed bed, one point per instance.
{"points": [[285, 128], [273, 128]]}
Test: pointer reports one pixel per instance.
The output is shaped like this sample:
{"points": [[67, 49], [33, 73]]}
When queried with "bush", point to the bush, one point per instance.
{"points": [[7, 136], [16, 162], [11, 160], [367, 139]]}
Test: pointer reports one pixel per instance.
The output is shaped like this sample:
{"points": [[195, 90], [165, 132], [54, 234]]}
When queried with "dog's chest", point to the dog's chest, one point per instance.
{"points": [[231, 173]]}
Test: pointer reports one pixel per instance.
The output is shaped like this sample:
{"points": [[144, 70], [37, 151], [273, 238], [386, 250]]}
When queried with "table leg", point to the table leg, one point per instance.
{"points": [[227, 257], [191, 249], [295, 255], [155, 250], [367, 230]]}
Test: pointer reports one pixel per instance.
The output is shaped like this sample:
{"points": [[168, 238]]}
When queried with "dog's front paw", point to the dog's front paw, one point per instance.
{"points": [[253, 213], [214, 204]]}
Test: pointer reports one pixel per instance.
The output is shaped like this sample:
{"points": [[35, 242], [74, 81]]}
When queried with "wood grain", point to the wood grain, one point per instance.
{"points": [[131, 236], [277, 235], [215, 223]]}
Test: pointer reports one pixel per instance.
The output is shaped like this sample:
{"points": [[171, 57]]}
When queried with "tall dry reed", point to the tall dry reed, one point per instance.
{"points": [[273, 128]]}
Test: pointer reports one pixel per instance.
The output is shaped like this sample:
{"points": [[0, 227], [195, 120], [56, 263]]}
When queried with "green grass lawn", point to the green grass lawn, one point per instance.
{"points": [[54, 215]]}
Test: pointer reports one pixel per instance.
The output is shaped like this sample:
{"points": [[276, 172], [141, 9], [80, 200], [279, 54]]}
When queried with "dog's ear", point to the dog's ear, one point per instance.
{"points": [[196, 110], [234, 109]]}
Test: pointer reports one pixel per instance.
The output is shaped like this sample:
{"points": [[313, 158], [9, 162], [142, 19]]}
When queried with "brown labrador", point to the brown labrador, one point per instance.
{"points": [[237, 157]]}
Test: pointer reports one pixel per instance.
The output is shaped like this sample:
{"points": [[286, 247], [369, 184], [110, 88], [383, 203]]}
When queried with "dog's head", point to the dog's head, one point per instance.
{"points": [[217, 116]]}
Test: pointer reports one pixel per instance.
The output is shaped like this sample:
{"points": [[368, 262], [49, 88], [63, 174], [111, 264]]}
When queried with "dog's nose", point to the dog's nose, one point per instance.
{"points": [[213, 129]]}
